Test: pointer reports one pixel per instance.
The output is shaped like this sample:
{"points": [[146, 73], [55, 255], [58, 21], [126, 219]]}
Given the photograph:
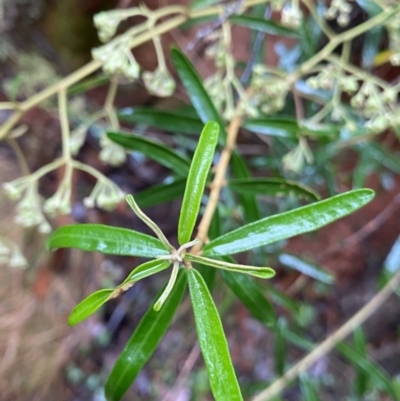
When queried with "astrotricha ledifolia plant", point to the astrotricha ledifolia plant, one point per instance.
{"points": [[214, 254]]}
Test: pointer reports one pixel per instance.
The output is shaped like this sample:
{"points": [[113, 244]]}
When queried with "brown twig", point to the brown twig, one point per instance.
{"points": [[326, 346], [208, 30], [186, 369]]}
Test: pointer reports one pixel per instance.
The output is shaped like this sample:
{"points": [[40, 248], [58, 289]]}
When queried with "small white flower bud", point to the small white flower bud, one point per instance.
{"points": [[159, 82]]}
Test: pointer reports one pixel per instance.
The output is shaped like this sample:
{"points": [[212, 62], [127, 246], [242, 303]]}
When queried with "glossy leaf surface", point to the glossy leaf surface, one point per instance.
{"points": [[143, 342], [154, 150], [196, 181], [212, 341], [288, 127], [174, 122], [88, 306], [147, 269], [106, 239], [263, 25], [160, 193], [307, 268], [285, 126], [289, 224], [251, 296], [273, 187], [193, 84], [261, 272]]}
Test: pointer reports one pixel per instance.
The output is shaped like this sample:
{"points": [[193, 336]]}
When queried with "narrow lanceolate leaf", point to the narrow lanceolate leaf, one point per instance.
{"points": [[284, 126], [247, 200], [273, 187], [88, 306], [193, 84], [212, 341], [160, 193], [143, 342], [307, 268], [375, 373], [361, 379], [286, 225], [289, 127], [196, 181], [251, 296], [106, 239], [154, 150], [263, 25], [147, 269], [262, 272], [174, 122]]}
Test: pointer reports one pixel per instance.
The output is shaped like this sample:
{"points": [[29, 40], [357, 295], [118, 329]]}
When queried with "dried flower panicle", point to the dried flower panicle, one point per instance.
{"points": [[117, 60], [111, 153], [11, 255], [159, 82], [105, 195], [291, 16], [270, 91], [107, 23], [339, 10], [294, 160], [60, 202]]}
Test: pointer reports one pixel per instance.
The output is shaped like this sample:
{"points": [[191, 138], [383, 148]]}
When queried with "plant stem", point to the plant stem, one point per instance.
{"points": [[109, 104], [326, 346], [343, 37]]}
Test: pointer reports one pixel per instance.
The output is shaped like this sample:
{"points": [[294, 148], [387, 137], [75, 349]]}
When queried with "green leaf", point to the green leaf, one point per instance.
{"points": [[289, 224], [160, 193], [147, 269], [88, 306], [383, 156], [280, 347], [251, 296], [281, 299], [248, 201], [308, 390], [196, 181], [175, 122], [284, 126], [361, 379], [372, 369], [273, 187], [212, 341], [262, 272], [198, 4], [194, 86], [364, 168], [106, 239], [263, 25], [143, 342], [289, 127], [87, 84], [154, 150], [307, 268]]}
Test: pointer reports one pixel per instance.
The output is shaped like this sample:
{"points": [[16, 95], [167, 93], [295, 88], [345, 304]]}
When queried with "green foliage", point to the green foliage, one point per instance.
{"points": [[212, 340], [196, 181], [300, 115]]}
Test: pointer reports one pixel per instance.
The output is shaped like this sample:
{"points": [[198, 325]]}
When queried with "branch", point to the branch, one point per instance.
{"points": [[326, 346]]}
